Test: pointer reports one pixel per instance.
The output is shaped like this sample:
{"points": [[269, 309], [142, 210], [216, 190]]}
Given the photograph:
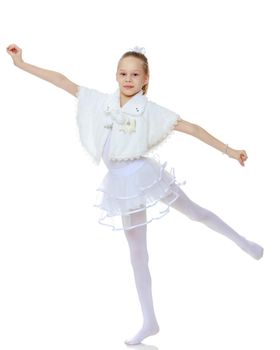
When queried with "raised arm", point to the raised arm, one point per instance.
{"points": [[203, 135], [53, 77]]}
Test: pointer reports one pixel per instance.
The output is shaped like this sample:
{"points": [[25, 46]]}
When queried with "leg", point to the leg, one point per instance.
{"points": [[194, 212], [139, 258]]}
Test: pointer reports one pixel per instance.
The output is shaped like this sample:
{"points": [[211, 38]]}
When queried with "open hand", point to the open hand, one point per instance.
{"points": [[15, 52]]}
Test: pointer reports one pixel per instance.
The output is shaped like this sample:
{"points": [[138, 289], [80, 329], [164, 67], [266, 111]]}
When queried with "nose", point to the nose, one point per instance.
{"points": [[128, 78]]}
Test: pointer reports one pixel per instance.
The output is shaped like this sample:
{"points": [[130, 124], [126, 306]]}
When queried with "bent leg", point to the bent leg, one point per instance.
{"points": [[137, 241], [197, 213]]}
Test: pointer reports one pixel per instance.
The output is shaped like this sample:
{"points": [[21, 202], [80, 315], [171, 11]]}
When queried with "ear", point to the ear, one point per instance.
{"points": [[146, 80]]}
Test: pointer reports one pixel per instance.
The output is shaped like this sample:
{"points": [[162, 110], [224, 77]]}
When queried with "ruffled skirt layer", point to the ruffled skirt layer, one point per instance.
{"points": [[130, 199]]}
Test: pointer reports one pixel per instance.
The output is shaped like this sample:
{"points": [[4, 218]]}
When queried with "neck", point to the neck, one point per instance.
{"points": [[124, 99]]}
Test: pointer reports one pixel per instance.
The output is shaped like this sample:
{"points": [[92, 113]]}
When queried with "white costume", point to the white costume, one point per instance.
{"points": [[136, 188], [137, 127], [122, 137]]}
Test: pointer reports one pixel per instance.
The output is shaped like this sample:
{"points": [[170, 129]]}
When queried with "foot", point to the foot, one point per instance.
{"points": [[253, 249], [145, 332]]}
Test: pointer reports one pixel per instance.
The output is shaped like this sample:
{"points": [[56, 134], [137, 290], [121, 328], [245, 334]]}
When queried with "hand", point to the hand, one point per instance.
{"points": [[239, 155], [15, 52]]}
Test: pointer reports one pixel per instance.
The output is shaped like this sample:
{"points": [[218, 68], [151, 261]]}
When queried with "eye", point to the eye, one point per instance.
{"points": [[122, 73], [136, 74]]}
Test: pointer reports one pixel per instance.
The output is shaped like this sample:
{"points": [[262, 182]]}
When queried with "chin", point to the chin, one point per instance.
{"points": [[129, 92]]}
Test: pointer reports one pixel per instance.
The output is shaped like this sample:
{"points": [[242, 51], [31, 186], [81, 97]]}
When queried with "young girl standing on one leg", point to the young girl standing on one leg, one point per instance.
{"points": [[121, 128]]}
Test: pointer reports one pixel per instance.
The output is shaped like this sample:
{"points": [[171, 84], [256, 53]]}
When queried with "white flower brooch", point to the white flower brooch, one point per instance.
{"points": [[128, 126]]}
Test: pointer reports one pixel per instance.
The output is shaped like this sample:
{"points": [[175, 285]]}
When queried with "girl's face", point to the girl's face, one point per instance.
{"points": [[131, 76]]}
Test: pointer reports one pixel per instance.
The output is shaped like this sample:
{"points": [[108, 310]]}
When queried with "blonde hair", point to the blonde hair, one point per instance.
{"points": [[144, 60]]}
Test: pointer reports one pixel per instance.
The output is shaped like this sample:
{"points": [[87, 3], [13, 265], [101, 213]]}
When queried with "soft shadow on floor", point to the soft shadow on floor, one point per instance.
{"points": [[142, 347]]}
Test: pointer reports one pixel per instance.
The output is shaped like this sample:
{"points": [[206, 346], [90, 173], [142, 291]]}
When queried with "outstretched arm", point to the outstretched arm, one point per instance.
{"points": [[53, 77], [203, 135]]}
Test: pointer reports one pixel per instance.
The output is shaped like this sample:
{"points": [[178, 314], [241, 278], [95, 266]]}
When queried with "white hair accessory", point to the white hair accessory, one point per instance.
{"points": [[138, 49]]}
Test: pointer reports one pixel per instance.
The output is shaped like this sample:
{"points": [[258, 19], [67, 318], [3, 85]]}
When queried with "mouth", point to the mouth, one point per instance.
{"points": [[128, 86]]}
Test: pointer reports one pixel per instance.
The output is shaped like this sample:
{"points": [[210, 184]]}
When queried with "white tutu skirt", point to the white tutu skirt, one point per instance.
{"points": [[124, 194]]}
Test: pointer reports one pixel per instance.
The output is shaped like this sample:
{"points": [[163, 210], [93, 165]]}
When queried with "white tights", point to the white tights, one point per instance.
{"points": [[137, 242]]}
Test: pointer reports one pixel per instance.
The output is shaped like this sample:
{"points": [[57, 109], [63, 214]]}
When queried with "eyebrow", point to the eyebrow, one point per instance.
{"points": [[133, 70]]}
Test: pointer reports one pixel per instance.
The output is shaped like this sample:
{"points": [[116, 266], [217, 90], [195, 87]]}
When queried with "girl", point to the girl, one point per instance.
{"points": [[122, 128]]}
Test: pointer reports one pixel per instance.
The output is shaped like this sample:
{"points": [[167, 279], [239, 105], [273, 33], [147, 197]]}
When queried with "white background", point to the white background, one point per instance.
{"points": [[66, 281]]}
